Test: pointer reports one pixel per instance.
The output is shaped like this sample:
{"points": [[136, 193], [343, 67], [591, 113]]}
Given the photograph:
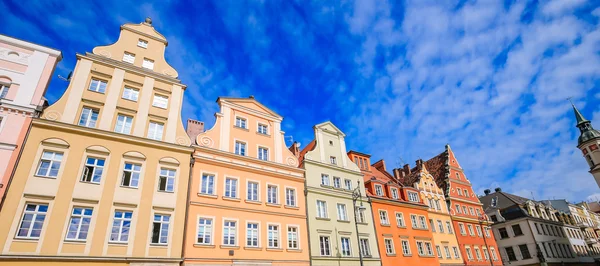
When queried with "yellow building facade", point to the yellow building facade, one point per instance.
{"points": [[444, 237], [104, 173]]}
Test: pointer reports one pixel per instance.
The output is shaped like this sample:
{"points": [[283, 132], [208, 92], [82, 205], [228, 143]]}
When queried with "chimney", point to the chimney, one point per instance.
{"points": [[406, 169], [487, 191], [194, 128], [397, 174], [295, 149], [419, 163], [498, 189]]}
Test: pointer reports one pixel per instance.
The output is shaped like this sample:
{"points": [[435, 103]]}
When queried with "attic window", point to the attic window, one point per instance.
{"points": [[142, 43], [128, 57], [494, 201], [331, 142]]}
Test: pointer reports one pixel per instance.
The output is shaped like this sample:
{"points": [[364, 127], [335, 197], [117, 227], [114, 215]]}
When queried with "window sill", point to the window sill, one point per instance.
{"points": [[162, 191], [322, 219], [363, 223], [207, 195], [386, 225], [156, 245], [135, 101], [326, 186], [159, 107], [48, 177], [242, 128], [273, 205], [343, 221], [407, 255], [391, 255], [275, 249], [25, 239], [293, 250], [253, 248], [253, 202], [74, 241], [118, 243], [291, 207], [403, 227], [203, 246], [263, 134], [128, 187], [91, 183], [229, 247], [230, 199], [427, 256]]}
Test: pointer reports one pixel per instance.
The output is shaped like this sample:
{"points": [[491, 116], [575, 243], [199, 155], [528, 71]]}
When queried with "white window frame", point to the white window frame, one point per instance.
{"points": [[206, 186], [79, 222], [87, 118], [400, 219], [51, 162], [337, 182], [405, 247], [295, 237], [130, 94], [234, 235], [256, 197], [347, 184], [388, 244], [4, 88], [384, 219], [342, 212], [269, 194], [135, 172], [378, 190], [100, 87], [423, 222], [470, 229], [230, 191], [343, 248], [160, 101], [142, 43], [277, 236], [395, 194], [209, 232], [332, 160], [148, 63], [413, 196], [128, 57], [125, 128], [364, 247], [260, 127], [85, 173], [420, 248], [122, 219], [240, 148], [447, 251], [153, 132], [243, 122], [325, 180], [413, 221], [322, 211], [162, 223], [35, 217], [263, 153], [456, 252], [253, 233], [291, 198], [325, 248], [168, 177]]}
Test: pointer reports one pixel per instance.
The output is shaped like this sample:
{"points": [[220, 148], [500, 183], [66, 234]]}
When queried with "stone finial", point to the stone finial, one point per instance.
{"points": [[148, 21]]}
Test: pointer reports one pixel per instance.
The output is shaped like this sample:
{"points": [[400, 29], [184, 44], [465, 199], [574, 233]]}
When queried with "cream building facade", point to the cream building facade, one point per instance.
{"points": [[104, 174], [330, 179], [439, 215]]}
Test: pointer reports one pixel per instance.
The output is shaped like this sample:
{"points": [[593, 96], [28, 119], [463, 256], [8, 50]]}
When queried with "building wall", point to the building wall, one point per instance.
{"points": [[215, 156], [25, 70], [330, 142]]}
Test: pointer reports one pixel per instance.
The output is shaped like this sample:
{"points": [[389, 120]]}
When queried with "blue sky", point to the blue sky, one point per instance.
{"points": [[401, 78]]}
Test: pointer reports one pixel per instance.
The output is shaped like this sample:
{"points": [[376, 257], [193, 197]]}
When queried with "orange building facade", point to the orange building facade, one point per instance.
{"points": [[473, 233], [246, 198], [404, 236]]}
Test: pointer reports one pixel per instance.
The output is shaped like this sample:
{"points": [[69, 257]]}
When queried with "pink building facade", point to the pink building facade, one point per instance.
{"points": [[25, 72]]}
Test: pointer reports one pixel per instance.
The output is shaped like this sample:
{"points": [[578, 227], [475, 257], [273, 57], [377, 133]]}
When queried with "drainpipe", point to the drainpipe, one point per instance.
{"points": [[187, 207]]}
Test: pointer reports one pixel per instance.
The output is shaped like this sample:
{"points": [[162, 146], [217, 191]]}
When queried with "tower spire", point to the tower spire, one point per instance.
{"points": [[578, 115], [584, 125]]}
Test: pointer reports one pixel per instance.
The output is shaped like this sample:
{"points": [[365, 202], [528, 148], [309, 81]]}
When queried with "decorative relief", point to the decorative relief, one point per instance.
{"points": [[206, 142], [10, 55], [168, 73], [105, 53], [183, 140], [52, 115], [291, 161]]}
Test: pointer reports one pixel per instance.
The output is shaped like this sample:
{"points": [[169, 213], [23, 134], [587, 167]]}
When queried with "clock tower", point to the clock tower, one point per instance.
{"points": [[588, 143]]}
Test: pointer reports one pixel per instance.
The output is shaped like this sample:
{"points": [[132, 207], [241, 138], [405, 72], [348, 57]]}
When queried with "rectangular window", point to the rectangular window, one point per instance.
{"points": [[449, 226], [405, 247], [263, 129], [383, 218], [240, 148], [160, 229], [121, 226], [207, 185], [394, 193], [477, 253], [123, 124], [240, 122], [413, 221], [389, 246], [252, 191], [517, 230], [469, 254], [292, 237], [345, 247], [525, 252], [231, 185], [459, 192], [420, 248], [92, 172], [3, 91], [337, 182], [487, 232], [155, 130], [229, 233], [364, 247], [456, 253], [360, 215], [465, 211], [457, 208], [447, 251], [332, 160], [478, 228], [263, 154], [252, 235], [88, 117], [290, 197], [324, 246], [32, 220], [148, 63], [341, 212], [348, 184], [486, 255], [128, 57], [160, 101], [400, 219], [324, 180], [204, 231], [166, 180], [510, 253], [49, 164], [79, 223], [131, 175], [423, 222], [272, 196], [321, 209], [503, 233], [432, 225], [142, 43], [97, 86], [130, 94], [471, 211], [440, 226], [439, 251], [429, 248], [379, 190], [413, 196], [470, 227], [466, 193], [461, 227]]}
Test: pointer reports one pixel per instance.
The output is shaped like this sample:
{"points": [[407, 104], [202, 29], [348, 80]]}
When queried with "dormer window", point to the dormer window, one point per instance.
{"points": [[142, 43], [378, 190], [148, 63], [332, 160], [240, 122], [413, 196], [128, 57], [494, 202], [394, 193]]}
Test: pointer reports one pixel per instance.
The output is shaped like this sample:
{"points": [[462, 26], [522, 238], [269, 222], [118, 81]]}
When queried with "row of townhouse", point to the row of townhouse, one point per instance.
{"points": [[108, 175]]}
